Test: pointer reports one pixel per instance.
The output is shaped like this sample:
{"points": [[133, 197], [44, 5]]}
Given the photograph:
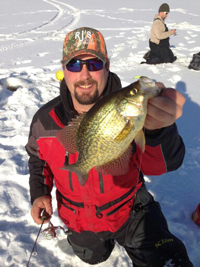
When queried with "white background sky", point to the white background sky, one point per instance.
{"points": [[31, 37]]}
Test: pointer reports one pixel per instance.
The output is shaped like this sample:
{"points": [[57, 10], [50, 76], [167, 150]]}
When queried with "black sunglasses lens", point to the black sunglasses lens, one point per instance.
{"points": [[74, 65], [94, 64]]}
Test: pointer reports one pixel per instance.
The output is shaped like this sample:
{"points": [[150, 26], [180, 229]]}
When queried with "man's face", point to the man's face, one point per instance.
{"points": [[163, 15], [85, 86]]}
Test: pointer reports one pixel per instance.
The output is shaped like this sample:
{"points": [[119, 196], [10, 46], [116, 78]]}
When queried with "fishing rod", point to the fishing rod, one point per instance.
{"points": [[49, 232], [34, 249]]}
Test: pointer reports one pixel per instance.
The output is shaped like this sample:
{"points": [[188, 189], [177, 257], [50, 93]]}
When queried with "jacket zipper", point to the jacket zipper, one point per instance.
{"points": [[69, 173], [119, 207], [101, 183], [76, 204], [70, 181], [112, 203], [64, 204]]}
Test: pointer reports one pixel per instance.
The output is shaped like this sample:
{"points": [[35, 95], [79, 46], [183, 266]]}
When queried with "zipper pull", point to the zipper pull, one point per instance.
{"points": [[98, 213]]}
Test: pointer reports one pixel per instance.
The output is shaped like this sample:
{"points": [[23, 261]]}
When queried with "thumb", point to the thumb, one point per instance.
{"points": [[160, 85], [48, 205]]}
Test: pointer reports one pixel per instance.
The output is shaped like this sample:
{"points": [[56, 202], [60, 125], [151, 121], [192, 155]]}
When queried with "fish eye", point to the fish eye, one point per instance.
{"points": [[133, 91]]}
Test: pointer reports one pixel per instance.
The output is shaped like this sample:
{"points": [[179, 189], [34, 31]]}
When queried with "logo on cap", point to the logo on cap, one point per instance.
{"points": [[83, 35]]}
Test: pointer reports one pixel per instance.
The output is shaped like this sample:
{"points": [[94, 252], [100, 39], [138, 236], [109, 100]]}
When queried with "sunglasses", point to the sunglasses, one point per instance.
{"points": [[76, 65]]}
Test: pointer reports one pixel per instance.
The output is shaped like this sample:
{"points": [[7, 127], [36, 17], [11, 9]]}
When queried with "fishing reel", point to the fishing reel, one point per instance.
{"points": [[50, 231]]}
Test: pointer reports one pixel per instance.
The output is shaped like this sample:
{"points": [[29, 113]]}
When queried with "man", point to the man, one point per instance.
{"points": [[106, 208], [159, 38]]}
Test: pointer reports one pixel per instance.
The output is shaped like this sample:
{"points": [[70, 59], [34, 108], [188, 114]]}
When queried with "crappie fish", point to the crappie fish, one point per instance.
{"points": [[103, 135]]}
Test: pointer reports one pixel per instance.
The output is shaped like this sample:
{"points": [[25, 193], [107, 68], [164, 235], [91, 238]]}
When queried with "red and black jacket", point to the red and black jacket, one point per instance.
{"points": [[104, 202]]}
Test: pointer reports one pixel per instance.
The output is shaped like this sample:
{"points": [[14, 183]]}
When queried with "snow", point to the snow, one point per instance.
{"points": [[31, 37]]}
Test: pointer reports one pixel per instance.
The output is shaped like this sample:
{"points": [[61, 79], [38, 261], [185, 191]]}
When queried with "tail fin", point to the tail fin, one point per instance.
{"points": [[82, 176]]}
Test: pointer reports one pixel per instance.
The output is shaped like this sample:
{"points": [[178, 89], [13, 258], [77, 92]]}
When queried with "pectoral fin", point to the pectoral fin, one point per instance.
{"points": [[140, 140], [125, 131]]}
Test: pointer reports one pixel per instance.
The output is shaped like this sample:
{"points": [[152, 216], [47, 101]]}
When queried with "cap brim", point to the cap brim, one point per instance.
{"points": [[74, 54]]}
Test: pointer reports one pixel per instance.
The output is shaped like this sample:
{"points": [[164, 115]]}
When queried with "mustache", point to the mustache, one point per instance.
{"points": [[88, 82]]}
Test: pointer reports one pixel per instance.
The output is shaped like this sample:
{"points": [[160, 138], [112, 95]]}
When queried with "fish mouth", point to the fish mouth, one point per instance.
{"points": [[137, 104], [133, 110]]}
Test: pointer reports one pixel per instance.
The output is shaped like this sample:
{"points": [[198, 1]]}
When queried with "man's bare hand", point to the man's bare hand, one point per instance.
{"points": [[164, 109], [42, 204]]}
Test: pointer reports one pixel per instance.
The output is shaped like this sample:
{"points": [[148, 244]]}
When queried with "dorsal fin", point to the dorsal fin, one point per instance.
{"points": [[67, 135]]}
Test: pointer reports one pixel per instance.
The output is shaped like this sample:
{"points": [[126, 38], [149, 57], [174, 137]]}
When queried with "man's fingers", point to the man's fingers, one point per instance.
{"points": [[175, 96], [170, 101], [41, 207], [165, 109], [161, 104], [36, 214]]}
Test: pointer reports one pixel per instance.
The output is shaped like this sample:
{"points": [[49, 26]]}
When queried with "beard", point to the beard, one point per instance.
{"points": [[86, 98]]}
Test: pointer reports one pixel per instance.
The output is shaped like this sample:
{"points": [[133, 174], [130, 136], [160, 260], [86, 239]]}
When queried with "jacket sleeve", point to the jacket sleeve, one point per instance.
{"points": [[164, 151], [41, 177], [159, 30]]}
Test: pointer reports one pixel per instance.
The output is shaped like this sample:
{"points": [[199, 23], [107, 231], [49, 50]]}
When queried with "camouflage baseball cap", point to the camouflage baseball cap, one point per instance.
{"points": [[84, 41]]}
